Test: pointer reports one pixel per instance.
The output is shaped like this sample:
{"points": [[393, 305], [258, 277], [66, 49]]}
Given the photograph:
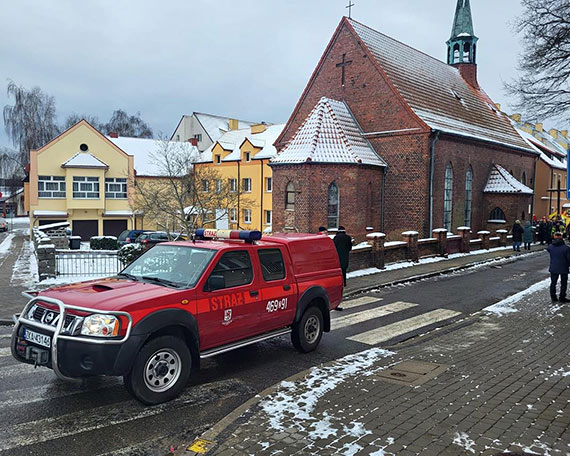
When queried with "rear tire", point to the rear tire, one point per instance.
{"points": [[161, 370], [307, 332]]}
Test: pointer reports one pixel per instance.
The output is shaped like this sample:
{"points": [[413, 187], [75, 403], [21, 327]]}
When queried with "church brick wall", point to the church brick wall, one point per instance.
{"points": [[358, 185], [462, 153]]}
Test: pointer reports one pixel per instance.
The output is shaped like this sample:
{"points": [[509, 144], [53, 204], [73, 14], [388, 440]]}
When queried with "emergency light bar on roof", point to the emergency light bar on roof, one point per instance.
{"points": [[245, 235]]}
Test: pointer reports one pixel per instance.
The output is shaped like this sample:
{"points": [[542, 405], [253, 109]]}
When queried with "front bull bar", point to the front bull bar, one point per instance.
{"points": [[57, 335]]}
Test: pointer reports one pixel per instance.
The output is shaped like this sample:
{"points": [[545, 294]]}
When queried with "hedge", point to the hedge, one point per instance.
{"points": [[103, 243]]}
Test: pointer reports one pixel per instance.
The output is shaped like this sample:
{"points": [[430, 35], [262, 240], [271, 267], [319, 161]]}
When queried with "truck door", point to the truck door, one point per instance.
{"points": [[227, 301], [278, 289]]}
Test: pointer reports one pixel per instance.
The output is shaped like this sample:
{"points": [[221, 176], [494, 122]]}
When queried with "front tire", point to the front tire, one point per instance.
{"points": [[307, 332], [161, 370]]}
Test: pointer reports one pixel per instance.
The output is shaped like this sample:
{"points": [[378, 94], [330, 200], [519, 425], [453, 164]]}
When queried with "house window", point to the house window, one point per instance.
{"points": [[447, 197], [290, 196], [268, 184], [198, 137], [497, 215], [51, 187], [233, 215], [205, 186], [116, 187], [218, 185], [85, 187], [233, 185], [468, 195], [332, 212], [247, 216], [218, 159], [246, 184], [247, 156], [268, 216]]}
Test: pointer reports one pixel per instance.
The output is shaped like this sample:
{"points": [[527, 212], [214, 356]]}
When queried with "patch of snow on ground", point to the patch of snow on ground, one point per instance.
{"points": [[297, 401], [463, 440], [25, 270], [505, 306], [6, 243]]}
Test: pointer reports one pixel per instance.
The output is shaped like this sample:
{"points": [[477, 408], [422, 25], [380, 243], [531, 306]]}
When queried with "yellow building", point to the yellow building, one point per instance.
{"points": [[240, 157]]}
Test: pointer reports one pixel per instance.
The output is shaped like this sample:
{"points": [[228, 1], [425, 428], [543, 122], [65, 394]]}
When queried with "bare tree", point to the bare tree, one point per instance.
{"points": [[543, 90], [126, 125], [182, 196], [11, 165], [73, 118], [31, 121]]}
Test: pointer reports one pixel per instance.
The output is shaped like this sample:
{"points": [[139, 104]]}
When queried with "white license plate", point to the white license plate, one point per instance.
{"points": [[37, 338]]}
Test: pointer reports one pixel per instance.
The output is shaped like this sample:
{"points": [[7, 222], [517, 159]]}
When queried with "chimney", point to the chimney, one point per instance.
{"points": [[468, 72], [516, 117], [258, 128], [553, 132], [113, 134], [193, 141], [234, 124], [538, 127]]}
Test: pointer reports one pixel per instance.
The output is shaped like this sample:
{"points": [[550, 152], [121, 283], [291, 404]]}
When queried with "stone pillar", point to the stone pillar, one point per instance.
{"points": [[46, 259], [441, 235], [411, 238], [503, 237], [465, 233], [376, 240], [484, 236]]}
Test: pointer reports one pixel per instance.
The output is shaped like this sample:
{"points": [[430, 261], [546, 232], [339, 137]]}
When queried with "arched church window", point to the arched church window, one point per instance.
{"points": [[466, 52], [456, 53], [290, 196], [447, 197], [332, 211], [523, 178], [468, 195], [497, 214]]}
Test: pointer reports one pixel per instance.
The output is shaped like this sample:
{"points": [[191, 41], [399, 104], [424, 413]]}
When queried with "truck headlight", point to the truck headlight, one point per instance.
{"points": [[100, 325]]}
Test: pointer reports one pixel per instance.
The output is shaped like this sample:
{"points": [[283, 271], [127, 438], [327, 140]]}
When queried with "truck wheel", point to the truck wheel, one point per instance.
{"points": [[160, 371], [307, 332]]}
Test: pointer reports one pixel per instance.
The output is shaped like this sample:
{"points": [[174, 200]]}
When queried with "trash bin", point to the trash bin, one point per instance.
{"points": [[74, 242]]}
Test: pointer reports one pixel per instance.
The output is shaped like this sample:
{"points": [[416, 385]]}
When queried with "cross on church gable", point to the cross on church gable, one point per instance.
{"points": [[343, 65]]}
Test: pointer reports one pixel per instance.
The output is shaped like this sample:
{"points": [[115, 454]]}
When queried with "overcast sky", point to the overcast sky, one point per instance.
{"points": [[249, 59]]}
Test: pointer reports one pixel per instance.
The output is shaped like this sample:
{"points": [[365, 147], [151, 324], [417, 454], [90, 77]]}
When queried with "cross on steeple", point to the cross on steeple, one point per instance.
{"points": [[343, 64], [350, 5]]}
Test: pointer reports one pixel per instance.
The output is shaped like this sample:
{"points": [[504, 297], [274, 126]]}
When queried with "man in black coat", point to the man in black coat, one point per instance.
{"points": [[343, 244], [559, 263], [518, 232]]}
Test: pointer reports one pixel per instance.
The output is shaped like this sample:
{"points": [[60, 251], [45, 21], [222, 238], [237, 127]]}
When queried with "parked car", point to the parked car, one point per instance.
{"points": [[147, 240], [129, 236], [3, 224], [180, 302]]}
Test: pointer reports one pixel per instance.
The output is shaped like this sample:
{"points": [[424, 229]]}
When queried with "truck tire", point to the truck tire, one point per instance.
{"points": [[161, 370], [307, 332]]}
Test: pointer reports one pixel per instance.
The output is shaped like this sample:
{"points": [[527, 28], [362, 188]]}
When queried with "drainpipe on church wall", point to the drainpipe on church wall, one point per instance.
{"points": [[383, 198], [431, 173]]}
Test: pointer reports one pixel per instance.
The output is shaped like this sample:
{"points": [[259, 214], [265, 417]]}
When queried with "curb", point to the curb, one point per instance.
{"points": [[6, 322]]}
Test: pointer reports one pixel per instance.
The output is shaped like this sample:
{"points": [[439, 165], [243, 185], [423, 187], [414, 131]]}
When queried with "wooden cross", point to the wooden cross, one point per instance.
{"points": [[343, 64], [350, 5]]}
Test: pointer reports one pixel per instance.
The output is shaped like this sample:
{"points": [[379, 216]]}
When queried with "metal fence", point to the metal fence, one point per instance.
{"points": [[83, 263]]}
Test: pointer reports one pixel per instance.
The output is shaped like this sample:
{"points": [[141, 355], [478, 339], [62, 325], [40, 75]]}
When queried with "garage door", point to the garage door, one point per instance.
{"points": [[114, 227], [85, 228]]}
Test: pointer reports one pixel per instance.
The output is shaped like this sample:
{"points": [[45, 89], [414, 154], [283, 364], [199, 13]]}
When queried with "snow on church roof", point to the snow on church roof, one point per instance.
{"points": [[84, 160], [329, 134], [437, 92], [501, 181]]}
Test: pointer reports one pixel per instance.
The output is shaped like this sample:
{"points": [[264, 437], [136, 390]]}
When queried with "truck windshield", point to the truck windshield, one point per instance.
{"points": [[170, 265]]}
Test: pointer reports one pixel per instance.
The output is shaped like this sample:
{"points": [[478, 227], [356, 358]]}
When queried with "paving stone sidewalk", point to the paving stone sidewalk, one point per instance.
{"points": [[506, 387]]}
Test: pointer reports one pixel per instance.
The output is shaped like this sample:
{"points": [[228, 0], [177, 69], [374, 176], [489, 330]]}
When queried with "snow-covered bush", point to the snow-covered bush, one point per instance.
{"points": [[103, 243], [129, 253]]}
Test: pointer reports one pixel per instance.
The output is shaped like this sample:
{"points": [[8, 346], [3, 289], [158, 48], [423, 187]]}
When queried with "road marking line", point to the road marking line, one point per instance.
{"points": [[4, 352], [359, 317], [359, 302], [388, 332]]}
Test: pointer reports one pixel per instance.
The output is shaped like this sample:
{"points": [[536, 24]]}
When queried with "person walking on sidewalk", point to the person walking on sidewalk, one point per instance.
{"points": [[559, 263], [542, 231], [517, 231], [528, 235], [343, 244]]}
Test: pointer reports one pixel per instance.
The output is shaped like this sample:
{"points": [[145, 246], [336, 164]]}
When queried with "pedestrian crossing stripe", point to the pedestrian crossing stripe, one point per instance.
{"points": [[359, 302], [384, 333], [365, 315]]}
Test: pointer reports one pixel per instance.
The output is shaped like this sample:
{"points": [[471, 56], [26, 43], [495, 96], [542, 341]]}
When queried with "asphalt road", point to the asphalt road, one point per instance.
{"points": [[43, 415]]}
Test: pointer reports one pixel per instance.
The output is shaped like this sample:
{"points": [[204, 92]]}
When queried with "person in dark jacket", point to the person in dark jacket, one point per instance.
{"points": [[542, 231], [549, 226], [559, 263], [528, 235], [343, 244], [517, 231]]}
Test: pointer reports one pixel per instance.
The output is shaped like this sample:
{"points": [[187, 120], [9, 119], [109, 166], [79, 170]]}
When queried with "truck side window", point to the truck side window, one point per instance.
{"points": [[272, 266], [235, 268]]}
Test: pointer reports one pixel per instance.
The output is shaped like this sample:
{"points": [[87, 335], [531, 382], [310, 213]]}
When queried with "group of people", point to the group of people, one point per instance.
{"points": [[544, 229]]}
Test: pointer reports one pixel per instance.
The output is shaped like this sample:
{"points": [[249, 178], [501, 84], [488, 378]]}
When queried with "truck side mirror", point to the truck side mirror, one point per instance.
{"points": [[216, 282]]}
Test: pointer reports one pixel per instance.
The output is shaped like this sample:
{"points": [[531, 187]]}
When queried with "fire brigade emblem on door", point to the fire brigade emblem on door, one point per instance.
{"points": [[227, 316]]}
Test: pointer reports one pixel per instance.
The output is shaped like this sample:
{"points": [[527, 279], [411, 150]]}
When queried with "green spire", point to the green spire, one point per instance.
{"points": [[463, 22]]}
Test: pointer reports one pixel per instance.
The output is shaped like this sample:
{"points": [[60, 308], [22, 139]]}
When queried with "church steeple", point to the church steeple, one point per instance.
{"points": [[462, 45]]}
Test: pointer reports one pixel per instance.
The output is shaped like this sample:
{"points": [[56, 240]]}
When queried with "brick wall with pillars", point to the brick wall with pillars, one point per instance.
{"points": [[465, 233], [411, 237], [484, 236], [441, 235], [503, 237], [376, 240]]}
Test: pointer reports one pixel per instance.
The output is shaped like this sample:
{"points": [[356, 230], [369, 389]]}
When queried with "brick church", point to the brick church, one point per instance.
{"points": [[387, 138]]}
